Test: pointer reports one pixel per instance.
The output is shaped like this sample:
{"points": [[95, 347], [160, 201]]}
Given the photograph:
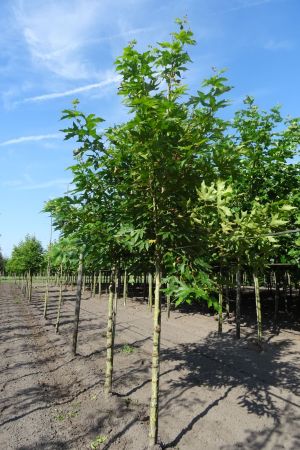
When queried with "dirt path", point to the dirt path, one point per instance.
{"points": [[216, 393]]}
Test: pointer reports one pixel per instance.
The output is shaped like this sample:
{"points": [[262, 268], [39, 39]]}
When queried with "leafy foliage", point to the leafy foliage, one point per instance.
{"points": [[27, 256], [177, 185]]}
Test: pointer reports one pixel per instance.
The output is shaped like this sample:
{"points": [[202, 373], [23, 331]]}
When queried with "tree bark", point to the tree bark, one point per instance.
{"points": [[77, 304], [285, 287], [168, 305], [150, 294], [238, 303], [100, 283], [59, 301], [110, 337], [153, 426], [47, 289], [258, 308], [30, 287], [94, 285], [220, 315], [84, 283], [276, 302], [125, 288], [227, 301]]}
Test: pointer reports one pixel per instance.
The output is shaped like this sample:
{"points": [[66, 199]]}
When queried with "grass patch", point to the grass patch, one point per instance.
{"points": [[60, 416], [98, 441], [127, 349]]}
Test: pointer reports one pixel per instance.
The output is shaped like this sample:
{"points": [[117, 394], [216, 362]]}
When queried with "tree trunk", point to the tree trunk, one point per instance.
{"points": [[290, 285], [100, 283], [23, 286], [30, 287], [150, 295], [285, 297], [27, 285], [144, 286], [116, 292], [110, 337], [153, 426], [125, 288], [94, 285], [77, 304], [227, 301], [258, 308], [59, 301], [84, 283], [276, 303], [47, 289], [220, 315], [168, 305], [238, 303]]}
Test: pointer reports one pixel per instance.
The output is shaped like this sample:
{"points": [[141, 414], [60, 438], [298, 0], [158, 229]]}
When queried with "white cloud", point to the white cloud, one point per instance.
{"points": [[245, 4], [58, 183], [57, 33], [242, 4], [27, 184], [128, 33], [278, 45], [54, 31], [34, 138], [110, 80], [11, 183]]}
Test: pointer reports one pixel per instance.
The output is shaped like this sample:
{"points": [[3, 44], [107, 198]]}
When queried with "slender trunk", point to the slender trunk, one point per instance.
{"points": [[238, 302], [290, 286], [220, 315], [59, 301], [276, 303], [77, 304], [144, 286], [30, 287], [153, 426], [150, 293], [227, 301], [84, 283], [94, 285], [168, 305], [110, 337], [46, 298], [258, 308], [27, 285], [285, 297], [107, 282], [100, 283], [125, 288], [23, 286], [116, 291]]}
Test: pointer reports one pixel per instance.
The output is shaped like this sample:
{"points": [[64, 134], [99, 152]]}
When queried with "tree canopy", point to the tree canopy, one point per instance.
{"points": [[26, 257]]}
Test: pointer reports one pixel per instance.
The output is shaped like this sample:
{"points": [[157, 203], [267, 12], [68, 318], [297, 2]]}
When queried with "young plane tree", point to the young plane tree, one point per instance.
{"points": [[235, 235], [27, 259]]}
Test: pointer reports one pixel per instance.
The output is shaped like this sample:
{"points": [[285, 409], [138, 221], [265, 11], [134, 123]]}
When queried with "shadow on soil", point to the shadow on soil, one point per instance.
{"points": [[219, 363]]}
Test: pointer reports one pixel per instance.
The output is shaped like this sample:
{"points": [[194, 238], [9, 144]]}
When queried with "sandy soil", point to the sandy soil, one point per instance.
{"points": [[216, 393]]}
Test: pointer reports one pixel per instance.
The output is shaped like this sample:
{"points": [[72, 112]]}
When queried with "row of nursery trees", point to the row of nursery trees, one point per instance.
{"points": [[179, 191], [3, 262]]}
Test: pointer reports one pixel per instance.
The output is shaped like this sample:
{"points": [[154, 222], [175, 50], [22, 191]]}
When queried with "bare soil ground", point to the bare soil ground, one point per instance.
{"points": [[216, 393]]}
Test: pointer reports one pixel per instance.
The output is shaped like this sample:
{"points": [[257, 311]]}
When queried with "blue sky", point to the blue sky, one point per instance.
{"points": [[52, 51]]}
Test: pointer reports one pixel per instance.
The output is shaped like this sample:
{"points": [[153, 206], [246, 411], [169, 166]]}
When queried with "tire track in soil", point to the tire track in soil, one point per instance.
{"points": [[202, 383], [50, 400], [33, 381]]}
